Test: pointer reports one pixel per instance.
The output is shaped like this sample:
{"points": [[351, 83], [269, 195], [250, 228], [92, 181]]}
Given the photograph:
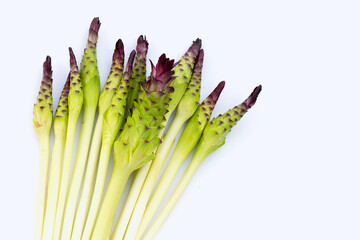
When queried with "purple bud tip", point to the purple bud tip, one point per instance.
{"points": [[130, 62], [119, 50], [214, 95], [72, 58], [251, 100], [95, 25], [197, 42], [119, 45], [142, 44], [47, 71], [200, 60]]}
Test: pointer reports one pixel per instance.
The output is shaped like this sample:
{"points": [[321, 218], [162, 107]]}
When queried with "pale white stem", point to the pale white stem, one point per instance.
{"points": [[160, 191], [66, 168], [130, 202], [53, 186], [41, 190], [89, 181], [184, 182], [98, 190], [77, 176]]}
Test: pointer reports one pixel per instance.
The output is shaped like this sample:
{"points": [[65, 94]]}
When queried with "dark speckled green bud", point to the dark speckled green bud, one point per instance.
{"points": [[115, 76], [62, 110], [43, 108], [183, 71], [139, 71], [196, 124], [76, 97], [190, 101], [215, 132], [114, 115]]}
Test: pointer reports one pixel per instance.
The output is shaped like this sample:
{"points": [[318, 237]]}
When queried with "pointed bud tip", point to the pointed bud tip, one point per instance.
{"points": [[119, 51], [142, 44], [251, 100], [119, 46], [200, 60], [47, 70], [214, 95], [95, 25], [72, 58], [130, 62], [198, 42]]}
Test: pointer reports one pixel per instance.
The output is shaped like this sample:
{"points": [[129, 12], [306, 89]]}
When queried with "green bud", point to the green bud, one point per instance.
{"points": [[43, 109], [216, 130]]}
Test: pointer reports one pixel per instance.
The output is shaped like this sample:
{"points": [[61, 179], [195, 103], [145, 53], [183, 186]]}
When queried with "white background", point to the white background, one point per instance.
{"points": [[289, 170]]}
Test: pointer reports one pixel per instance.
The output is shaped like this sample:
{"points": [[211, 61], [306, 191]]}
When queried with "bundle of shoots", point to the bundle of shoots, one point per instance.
{"points": [[60, 126], [138, 140], [42, 121], [113, 119], [212, 138], [90, 79], [186, 108], [188, 139], [111, 85], [183, 71], [75, 102]]}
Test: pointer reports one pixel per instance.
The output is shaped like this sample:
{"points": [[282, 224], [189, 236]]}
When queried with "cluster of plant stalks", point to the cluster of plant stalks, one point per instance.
{"points": [[133, 110]]}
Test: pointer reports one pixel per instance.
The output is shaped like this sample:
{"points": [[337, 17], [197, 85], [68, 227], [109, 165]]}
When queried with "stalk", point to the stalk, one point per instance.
{"points": [[182, 74], [113, 119], [60, 126], [212, 139], [75, 102], [189, 138], [91, 82], [185, 110], [42, 121], [138, 140], [112, 83]]}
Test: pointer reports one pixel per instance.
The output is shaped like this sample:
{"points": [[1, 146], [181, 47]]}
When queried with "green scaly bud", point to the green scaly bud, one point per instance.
{"points": [[139, 71], [183, 71], [114, 115], [76, 95], [215, 132], [43, 108], [190, 101], [62, 111], [89, 72], [115, 76]]}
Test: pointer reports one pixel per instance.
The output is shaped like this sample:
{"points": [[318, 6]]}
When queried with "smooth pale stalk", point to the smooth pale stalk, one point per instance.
{"points": [[41, 190], [156, 165], [182, 150], [81, 157], [190, 171], [116, 186], [99, 189], [54, 185], [69, 144], [89, 180]]}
